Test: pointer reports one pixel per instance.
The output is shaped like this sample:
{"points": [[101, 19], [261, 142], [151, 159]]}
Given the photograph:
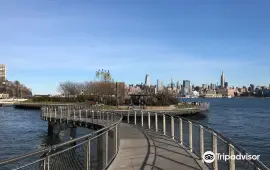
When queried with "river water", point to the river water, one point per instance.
{"points": [[245, 121]]}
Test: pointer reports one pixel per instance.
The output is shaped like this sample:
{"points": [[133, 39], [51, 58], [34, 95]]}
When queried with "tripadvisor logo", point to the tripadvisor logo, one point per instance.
{"points": [[209, 157]]}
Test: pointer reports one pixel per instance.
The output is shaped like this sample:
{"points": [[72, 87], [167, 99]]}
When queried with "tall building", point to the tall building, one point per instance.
{"points": [[147, 80], [226, 85], [252, 87], [172, 85], [159, 85], [3, 71], [193, 87], [205, 86], [222, 82], [213, 86], [186, 84], [178, 85]]}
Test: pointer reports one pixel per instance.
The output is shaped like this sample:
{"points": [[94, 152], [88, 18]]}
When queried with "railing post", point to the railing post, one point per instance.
{"points": [[215, 163], [55, 114], [47, 113], [44, 164], [108, 118], [142, 117], [164, 124], [100, 116], [93, 114], [74, 115], [48, 163], [128, 117], [116, 138], [106, 140], [172, 127], [86, 111], [190, 135], [135, 118], [97, 117], [231, 161], [61, 114], [89, 154], [86, 156], [156, 122], [68, 114], [103, 117], [80, 112], [201, 142], [149, 121], [181, 131], [50, 115]]}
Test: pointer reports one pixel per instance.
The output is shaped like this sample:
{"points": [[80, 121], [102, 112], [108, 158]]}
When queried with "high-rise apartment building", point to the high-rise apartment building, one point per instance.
{"points": [[222, 81], [147, 80], [3, 72], [186, 84]]}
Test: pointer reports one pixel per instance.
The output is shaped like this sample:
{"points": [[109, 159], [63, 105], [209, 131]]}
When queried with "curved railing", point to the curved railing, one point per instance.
{"points": [[195, 137], [97, 149], [92, 151]]}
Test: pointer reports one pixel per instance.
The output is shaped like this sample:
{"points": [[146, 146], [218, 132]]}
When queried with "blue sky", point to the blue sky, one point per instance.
{"points": [[50, 41]]}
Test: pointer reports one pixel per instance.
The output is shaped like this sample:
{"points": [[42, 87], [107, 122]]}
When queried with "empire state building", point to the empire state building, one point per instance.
{"points": [[222, 81]]}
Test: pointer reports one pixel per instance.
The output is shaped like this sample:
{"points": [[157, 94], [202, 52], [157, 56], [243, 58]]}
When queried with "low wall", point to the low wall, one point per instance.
{"points": [[158, 108], [37, 105]]}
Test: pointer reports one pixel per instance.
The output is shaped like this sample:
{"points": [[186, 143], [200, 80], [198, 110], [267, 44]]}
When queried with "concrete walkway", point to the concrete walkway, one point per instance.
{"points": [[146, 149]]}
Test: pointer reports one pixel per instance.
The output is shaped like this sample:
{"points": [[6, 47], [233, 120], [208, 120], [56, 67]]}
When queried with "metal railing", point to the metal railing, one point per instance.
{"points": [[92, 151], [97, 149], [195, 137]]}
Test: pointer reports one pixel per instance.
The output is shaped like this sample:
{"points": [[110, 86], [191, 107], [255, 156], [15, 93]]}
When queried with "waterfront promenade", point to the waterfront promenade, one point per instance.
{"points": [[149, 140], [142, 148]]}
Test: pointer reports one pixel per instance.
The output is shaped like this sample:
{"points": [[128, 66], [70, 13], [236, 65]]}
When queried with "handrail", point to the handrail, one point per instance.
{"points": [[222, 137], [63, 113], [102, 134], [202, 128]]}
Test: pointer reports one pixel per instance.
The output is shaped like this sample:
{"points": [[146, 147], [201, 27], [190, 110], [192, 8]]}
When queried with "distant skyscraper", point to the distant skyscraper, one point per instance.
{"points": [[252, 87], [205, 86], [147, 80], [3, 71], [186, 84], [172, 85], [226, 85], [159, 85], [213, 86], [178, 84], [222, 80], [192, 87]]}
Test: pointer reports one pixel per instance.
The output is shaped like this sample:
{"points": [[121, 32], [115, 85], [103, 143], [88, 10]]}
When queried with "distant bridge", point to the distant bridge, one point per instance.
{"points": [[134, 140]]}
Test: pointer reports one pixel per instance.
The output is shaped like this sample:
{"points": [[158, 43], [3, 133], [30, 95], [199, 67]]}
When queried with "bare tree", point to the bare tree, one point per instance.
{"points": [[69, 88]]}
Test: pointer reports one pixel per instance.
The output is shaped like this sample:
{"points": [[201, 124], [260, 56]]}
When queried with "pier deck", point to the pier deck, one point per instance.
{"points": [[146, 149]]}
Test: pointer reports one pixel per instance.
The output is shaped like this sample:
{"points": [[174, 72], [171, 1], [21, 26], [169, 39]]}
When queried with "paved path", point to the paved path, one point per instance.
{"points": [[146, 149]]}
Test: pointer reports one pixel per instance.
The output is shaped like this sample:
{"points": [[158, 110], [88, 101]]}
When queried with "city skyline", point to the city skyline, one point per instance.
{"points": [[178, 40]]}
